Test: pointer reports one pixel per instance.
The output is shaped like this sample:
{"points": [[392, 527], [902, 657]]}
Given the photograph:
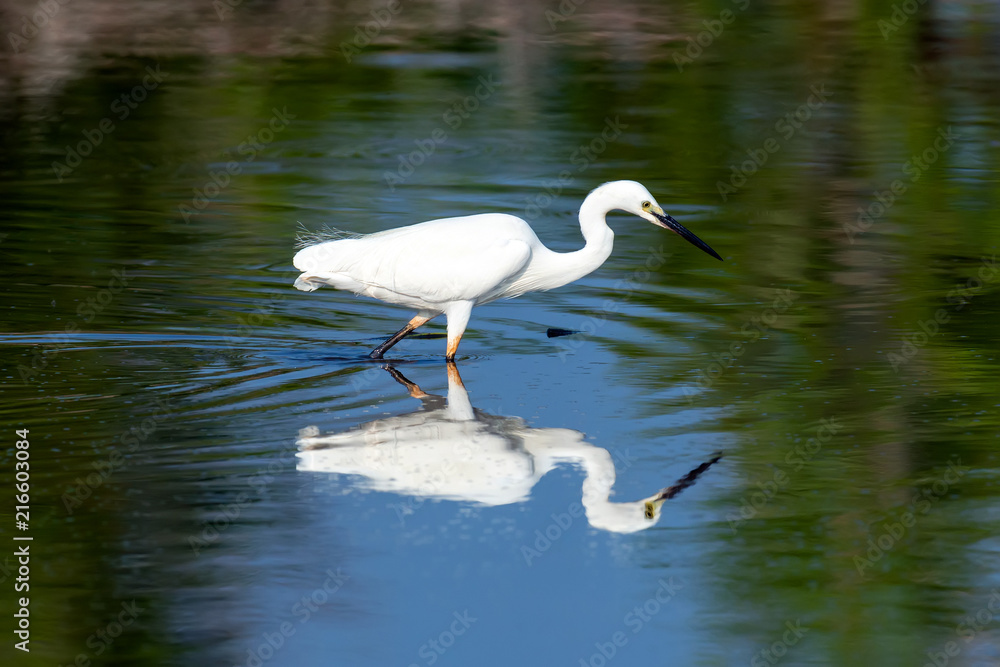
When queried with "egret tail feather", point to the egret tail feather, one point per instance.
{"points": [[307, 237], [302, 283]]}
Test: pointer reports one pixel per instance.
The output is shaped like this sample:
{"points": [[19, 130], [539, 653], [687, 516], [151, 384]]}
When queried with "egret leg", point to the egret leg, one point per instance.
{"points": [[458, 318], [398, 336], [411, 387], [452, 347], [453, 376]]}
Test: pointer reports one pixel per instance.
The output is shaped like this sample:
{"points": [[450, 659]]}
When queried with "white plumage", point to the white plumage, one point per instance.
{"points": [[450, 265], [450, 451], [430, 264]]}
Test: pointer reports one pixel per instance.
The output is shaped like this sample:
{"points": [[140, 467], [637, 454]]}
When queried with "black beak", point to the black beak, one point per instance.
{"points": [[668, 222]]}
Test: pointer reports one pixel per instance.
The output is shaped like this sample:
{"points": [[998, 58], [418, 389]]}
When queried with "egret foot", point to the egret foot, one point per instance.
{"points": [[452, 347]]}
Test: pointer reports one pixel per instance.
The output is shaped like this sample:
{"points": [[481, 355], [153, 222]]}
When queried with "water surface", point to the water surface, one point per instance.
{"points": [[843, 357]]}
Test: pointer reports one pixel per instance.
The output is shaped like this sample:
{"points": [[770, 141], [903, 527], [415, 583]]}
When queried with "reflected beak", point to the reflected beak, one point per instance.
{"points": [[667, 222], [652, 505]]}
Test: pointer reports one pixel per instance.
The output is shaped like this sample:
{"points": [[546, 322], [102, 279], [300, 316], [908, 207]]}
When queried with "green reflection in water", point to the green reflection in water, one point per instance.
{"points": [[885, 329]]}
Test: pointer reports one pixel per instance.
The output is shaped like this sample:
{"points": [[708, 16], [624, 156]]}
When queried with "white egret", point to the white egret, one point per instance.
{"points": [[450, 265], [451, 451]]}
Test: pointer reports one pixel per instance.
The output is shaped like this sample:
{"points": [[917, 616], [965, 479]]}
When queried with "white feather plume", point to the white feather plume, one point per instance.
{"points": [[306, 237]]}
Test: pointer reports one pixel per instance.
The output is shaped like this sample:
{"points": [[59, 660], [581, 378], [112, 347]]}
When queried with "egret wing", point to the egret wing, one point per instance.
{"points": [[459, 272], [455, 259]]}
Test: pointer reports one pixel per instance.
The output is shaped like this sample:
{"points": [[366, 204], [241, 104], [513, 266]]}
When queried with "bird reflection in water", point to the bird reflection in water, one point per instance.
{"points": [[449, 450]]}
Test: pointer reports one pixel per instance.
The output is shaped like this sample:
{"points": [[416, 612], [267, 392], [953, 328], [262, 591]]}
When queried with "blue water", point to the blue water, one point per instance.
{"points": [[170, 374]]}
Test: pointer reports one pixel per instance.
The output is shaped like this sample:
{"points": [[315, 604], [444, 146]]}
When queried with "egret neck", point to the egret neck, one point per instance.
{"points": [[564, 267]]}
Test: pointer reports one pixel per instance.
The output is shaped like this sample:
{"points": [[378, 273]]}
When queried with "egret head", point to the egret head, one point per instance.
{"points": [[634, 198], [642, 514], [627, 517]]}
